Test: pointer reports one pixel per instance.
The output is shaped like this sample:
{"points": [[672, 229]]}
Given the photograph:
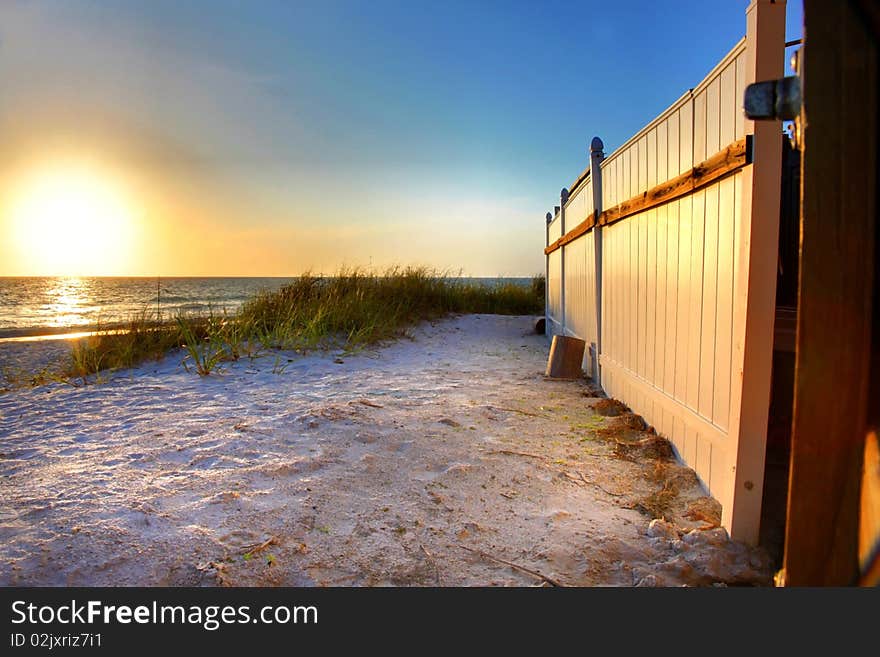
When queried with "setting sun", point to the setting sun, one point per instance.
{"points": [[72, 221]]}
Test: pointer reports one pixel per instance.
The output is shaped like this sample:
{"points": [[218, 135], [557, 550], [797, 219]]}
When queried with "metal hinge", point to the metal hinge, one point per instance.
{"points": [[778, 100]]}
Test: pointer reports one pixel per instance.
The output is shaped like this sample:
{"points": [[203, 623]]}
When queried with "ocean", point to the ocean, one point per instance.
{"points": [[31, 306]]}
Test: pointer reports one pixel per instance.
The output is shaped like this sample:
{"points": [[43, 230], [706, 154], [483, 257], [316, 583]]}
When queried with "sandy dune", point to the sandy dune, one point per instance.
{"points": [[416, 464]]}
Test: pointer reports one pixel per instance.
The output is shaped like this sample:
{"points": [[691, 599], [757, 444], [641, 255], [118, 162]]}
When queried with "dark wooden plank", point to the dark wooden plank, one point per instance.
{"points": [[838, 225]]}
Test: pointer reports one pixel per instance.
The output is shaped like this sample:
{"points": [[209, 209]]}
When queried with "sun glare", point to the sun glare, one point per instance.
{"points": [[71, 221]]}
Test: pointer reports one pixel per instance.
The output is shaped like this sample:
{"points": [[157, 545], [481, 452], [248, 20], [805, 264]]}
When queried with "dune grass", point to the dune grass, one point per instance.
{"points": [[350, 310], [138, 340]]}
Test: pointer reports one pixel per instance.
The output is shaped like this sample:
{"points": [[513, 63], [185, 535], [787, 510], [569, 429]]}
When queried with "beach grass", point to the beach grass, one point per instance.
{"points": [[138, 340], [350, 310]]}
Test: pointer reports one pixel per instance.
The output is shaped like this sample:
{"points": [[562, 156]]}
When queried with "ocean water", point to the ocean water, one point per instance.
{"points": [[42, 305]]}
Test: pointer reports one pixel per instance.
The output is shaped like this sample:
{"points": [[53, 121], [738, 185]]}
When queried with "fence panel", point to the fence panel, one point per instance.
{"points": [[580, 292], [677, 210], [554, 291]]}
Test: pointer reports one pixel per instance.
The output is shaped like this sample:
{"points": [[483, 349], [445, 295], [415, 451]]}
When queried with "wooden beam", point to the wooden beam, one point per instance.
{"points": [[581, 229], [723, 163], [834, 354]]}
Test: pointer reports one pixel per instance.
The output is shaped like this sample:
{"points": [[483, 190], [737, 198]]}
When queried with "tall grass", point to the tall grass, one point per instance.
{"points": [[139, 340], [352, 309]]}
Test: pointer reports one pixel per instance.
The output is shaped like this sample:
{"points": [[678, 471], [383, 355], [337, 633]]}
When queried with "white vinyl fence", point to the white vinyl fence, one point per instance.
{"points": [[662, 257]]}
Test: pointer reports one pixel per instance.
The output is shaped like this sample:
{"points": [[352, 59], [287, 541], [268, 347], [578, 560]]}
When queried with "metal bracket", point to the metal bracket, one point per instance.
{"points": [[774, 100], [778, 100]]}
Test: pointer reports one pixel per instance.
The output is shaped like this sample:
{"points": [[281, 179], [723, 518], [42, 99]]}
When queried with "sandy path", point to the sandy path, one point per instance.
{"points": [[378, 470]]}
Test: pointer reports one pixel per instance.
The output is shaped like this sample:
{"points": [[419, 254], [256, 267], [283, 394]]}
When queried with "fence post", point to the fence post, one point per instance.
{"points": [[597, 154], [547, 220], [563, 199], [754, 303]]}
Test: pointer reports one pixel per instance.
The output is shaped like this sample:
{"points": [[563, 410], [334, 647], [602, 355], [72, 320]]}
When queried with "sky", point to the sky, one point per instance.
{"points": [[267, 138]]}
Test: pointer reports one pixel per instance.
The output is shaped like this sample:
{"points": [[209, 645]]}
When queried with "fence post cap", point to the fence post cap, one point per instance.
{"points": [[549, 217], [596, 145]]}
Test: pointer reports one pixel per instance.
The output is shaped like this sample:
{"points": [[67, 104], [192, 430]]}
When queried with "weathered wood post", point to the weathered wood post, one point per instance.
{"points": [[837, 376], [597, 154]]}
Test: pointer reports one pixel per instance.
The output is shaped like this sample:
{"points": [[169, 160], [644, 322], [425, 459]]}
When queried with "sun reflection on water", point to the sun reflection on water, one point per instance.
{"points": [[70, 301]]}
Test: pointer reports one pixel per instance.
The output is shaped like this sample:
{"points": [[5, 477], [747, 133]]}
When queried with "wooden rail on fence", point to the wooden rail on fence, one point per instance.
{"points": [[581, 229], [721, 164]]}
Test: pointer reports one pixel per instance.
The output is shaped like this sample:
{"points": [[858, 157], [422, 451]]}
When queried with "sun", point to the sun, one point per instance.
{"points": [[72, 221]]}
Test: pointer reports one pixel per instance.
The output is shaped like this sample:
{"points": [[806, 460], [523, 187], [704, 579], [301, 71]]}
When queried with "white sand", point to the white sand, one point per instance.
{"points": [[20, 359], [375, 471]]}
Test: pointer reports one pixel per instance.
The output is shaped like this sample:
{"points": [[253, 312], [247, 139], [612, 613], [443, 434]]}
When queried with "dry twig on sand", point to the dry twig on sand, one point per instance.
{"points": [[218, 570], [516, 410], [511, 452], [432, 561], [254, 548], [367, 402], [582, 478], [516, 566]]}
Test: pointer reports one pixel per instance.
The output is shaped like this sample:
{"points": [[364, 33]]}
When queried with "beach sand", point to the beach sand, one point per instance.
{"points": [[420, 463], [25, 358]]}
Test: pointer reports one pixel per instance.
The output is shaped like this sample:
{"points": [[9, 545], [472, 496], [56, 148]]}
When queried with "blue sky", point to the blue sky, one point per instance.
{"points": [[294, 135]]}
